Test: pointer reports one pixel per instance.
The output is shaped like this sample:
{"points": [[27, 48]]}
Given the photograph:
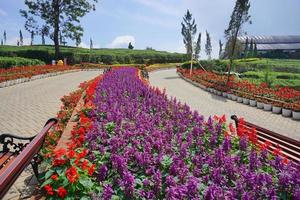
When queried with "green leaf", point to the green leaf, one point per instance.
{"points": [[49, 173]]}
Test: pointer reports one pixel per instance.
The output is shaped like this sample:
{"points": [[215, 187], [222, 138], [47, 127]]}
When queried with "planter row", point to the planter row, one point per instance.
{"points": [[23, 80], [267, 107]]}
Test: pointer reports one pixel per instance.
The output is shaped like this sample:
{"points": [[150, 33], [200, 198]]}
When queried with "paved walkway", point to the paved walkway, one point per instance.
{"points": [[208, 104], [24, 108]]}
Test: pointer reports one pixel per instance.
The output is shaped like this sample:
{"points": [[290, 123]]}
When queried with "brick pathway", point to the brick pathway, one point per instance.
{"points": [[208, 104], [24, 109]]}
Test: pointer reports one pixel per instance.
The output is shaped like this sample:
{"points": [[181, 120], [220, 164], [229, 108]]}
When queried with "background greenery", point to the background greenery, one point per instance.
{"points": [[7, 62], [75, 55]]}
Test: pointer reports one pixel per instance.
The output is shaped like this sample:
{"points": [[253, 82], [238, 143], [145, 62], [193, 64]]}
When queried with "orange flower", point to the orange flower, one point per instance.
{"points": [[72, 174], [49, 190], [61, 192]]}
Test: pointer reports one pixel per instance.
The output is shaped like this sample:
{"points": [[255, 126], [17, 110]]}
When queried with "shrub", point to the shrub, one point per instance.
{"points": [[8, 62]]}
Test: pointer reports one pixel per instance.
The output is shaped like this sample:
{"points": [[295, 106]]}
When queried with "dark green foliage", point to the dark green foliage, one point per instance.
{"points": [[57, 16], [7, 62], [208, 47], [32, 38], [220, 49], [107, 56], [130, 46], [198, 47], [21, 38], [188, 31], [4, 36]]}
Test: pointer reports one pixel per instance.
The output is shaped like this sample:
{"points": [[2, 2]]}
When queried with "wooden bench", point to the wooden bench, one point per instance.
{"points": [[15, 155], [290, 147]]}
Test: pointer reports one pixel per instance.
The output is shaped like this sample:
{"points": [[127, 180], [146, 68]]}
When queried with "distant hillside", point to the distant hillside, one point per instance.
{"points": [[107, 56]]}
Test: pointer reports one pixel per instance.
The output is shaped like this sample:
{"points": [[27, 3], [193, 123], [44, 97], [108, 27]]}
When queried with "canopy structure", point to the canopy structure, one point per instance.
{"points": [[266, 43]]}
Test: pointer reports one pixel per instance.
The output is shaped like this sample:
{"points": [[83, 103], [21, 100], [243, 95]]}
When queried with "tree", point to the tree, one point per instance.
{"points": [[246, 48], [32, 38], [78, 40], [255, 53], [251, 49], [220, 49], [188, 31], [4, 36], [21, 38], [198, 47], [1, 42], [130, 46], [91, 43], [44, 33], [208, 47], [239, 16], [58, 16]]}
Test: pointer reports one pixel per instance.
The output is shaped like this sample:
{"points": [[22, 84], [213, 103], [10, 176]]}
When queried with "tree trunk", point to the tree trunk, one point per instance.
{"points": [[56, 28], [232, 52]]}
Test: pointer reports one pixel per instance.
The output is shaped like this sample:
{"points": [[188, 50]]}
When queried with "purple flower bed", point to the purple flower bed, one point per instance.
{"points": [[148, 147]]}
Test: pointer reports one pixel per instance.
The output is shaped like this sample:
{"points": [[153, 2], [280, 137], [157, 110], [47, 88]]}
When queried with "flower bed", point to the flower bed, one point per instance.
{"points": [[279, 96], [132, 142], [30, 71]]}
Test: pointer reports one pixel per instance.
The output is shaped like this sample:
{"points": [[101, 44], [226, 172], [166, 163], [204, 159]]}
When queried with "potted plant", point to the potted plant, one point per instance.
{"points": [[296, 111], [286, 110], [259, 104], [267, 105], [252, 101], [277, 107], [246, 98]]}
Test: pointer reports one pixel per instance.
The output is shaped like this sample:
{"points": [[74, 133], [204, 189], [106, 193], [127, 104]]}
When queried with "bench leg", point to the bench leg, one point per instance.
{"points": [[34, 164]]}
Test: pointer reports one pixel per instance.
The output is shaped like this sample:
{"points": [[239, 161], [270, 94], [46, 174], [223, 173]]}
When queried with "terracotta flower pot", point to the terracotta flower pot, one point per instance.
{"points": [[286, 112], [260, 105], [267, 107], [296, 115], [245, 101], [276, 109], [239, 99], [252, 103]]}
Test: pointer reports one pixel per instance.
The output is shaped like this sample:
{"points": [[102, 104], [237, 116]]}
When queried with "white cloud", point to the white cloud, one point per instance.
{"points": [[122, 41], [2, 12], [160, 7]]}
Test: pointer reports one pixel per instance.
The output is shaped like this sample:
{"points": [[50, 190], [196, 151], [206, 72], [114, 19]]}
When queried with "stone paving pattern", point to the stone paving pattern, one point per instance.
{"points": [[209, 104], [24, 109]]}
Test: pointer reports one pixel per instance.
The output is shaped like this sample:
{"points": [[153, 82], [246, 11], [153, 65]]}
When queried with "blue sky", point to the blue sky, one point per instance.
{"points": [[156, 23]]}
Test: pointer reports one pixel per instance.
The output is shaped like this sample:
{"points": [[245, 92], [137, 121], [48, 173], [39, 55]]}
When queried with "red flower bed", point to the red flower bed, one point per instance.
{"points": [[29, 71]]}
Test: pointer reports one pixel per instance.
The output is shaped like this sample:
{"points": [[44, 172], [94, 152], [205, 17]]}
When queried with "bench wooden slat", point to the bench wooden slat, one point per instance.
{"points": [[7, 164], [4, 157], [290, 147], [15, 168]]}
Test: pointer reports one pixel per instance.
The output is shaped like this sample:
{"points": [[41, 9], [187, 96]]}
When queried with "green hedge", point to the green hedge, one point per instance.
{"points": [[7, 62], [106, 56]]}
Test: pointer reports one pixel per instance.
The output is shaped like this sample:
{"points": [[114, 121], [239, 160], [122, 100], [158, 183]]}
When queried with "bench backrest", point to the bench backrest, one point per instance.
{"points": [[15, 168], [290, 147]]}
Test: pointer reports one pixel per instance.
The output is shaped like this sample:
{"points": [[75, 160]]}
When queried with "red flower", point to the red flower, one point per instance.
{"points": [[72, 174], [54, 177], [92, 169], [49, 190], [285, 161], [60, 152], [84, 165], [277, 151], [62, 192], [231, 128], [71, 154]]}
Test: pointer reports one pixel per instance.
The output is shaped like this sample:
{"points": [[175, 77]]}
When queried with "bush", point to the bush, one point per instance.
{"points": [[107, 56], [7, 62]]}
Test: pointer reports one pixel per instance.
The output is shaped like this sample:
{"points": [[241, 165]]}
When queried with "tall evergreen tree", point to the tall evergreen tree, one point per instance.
{"points": [[1, 42], [91, 43], [32, 38], [188, 31], [239, 16], [208, 47], [246, 49], [77, 40], [255, 52], [21, 38], [220, 49], [44, 33], [57, 15], [18, 43], [198, 47], [4, 36], [130, 46], [251, 49]]}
